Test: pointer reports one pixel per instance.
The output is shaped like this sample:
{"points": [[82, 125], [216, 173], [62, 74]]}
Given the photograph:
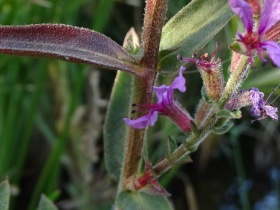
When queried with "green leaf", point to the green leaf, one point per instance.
{"points": [[142, 201], [4, 195], [223, 128], [67, 43], [46, 204], [190, 29], [115, 130]]}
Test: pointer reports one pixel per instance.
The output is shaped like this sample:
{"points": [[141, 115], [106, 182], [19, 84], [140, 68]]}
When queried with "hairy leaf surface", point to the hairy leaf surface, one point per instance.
{"points": [[115, 130], [190, 29], [67, 43]]}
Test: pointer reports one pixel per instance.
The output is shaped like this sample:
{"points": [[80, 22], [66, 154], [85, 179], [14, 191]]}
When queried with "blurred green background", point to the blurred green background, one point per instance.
{"points": [[52, 112]]}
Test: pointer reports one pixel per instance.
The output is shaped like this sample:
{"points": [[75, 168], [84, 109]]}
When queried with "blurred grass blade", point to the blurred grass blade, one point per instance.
{"points": [[101, 14], [263, 79], [115, 130], [142, 201], [47, 182], [67, 43], [46, 204], [191, 28], [4, 195]]}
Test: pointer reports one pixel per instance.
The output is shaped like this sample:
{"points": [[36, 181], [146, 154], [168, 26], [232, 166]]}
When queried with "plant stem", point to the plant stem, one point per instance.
{"points": [[238, 75], [153, 23], [191, 145], [142, 91]]}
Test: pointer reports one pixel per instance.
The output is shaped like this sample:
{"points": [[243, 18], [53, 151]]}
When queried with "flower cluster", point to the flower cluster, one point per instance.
{"points": [[166, 105], [253, 97], [254, 42], [254, 38]]}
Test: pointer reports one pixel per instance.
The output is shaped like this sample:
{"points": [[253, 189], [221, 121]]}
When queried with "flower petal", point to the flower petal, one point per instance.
{"points": [[164, 93], [273, 51], [255, 111], [255, 96], [271, 111], [161, 93], [270, 15], [244, 11], [180, 81], [144, 121]]}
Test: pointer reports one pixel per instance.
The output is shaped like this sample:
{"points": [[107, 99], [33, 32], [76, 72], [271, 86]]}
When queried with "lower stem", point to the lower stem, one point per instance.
{"points": [[154, 19], [142, 92]]}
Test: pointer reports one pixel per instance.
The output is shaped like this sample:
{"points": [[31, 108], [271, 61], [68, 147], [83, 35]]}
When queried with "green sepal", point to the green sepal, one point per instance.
{"points": [[135, 51], [4, 195], [236, 114], [132, 45], [225, 122], [237, 47], [227, 125]]}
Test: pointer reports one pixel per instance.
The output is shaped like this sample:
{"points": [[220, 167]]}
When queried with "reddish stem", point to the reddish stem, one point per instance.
{"points": [[142, 93]]}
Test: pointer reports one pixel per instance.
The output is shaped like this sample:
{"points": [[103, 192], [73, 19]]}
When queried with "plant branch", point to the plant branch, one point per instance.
{"points": [[182, 152], [239, 72]]}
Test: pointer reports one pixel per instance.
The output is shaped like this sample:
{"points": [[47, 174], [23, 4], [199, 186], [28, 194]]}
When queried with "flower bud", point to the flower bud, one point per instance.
{"points": [[254, 98], [211, 73], [213, 80], [238, 101], [204, 109]]}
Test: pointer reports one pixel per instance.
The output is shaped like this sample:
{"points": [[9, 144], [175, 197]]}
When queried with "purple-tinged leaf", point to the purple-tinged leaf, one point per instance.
{"points": [[67, 43]]}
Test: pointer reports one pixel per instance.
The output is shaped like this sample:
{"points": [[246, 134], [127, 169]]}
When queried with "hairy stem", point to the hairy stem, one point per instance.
{"points": [[239, 72], [191, 145], [142, 91], [153, 23]]}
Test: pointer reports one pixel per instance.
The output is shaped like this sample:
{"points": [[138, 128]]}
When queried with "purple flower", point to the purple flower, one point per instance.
{"points": [[259, 105], [254, 38], [165, 105]]}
